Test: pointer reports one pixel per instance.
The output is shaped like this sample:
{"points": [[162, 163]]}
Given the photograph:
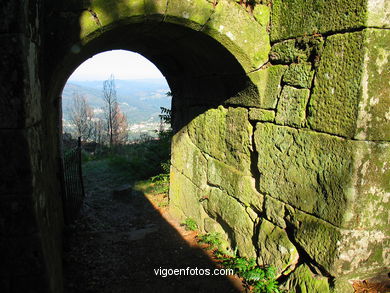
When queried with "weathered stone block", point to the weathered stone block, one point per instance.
{"points": [[274, 211], [275, 248], [301, 17], [303, 49], [235, 183], [188, 159], [268, 86], [308, 170], [305, 281], [318, 238], [374, 108], [224, 134], [244, 37], [337, 86], [292, 107], [299, 75], [370, 188], [262, 14], [193, 14], [105, 12], [236, 221], [155, 9], [185, 198], [256, 114], [378, 13]]}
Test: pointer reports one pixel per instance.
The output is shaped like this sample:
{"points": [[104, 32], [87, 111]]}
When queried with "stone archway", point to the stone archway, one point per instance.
{"points": [[275, 146]]}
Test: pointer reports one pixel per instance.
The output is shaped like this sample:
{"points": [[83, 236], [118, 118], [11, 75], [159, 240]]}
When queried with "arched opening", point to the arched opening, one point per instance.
{"points": [[201, 73]]}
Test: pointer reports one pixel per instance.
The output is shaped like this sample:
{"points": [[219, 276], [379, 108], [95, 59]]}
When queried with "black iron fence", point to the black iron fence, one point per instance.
{"points": [[73, 196]]}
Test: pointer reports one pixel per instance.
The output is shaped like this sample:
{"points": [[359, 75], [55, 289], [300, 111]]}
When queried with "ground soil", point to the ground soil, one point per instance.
{"points": [[121, 238]]}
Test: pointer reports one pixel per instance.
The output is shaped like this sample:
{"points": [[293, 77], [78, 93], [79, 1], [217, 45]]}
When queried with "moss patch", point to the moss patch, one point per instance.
{"points": [[337, 88], [303, 280], [300, 17], [305, 169], [275, 248], [224, 134], [292, 107], [299, 75], [256, 114]]}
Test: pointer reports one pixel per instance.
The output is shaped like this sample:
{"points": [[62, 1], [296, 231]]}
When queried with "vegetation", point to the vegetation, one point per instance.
{"points": [[190, 224], [257, 279]]}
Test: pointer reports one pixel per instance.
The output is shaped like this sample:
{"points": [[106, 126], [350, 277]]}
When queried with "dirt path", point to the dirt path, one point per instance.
{"points": [[117, 243]]}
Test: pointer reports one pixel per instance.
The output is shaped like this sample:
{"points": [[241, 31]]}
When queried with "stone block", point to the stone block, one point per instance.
{"points": [[193, 14], [308, 170], [378, 13], [256, 114], [274, 211], [188, 159], [291, 109], [297, 18], [276, 249], [236, 222], [374, 107], [305, 281], [185, 198], [299, 75], [333, 106], [235, 183], [244, 37], [302, 49], [369, 193], [105, 12], [268, 86], [224, 134], [155, 9]]}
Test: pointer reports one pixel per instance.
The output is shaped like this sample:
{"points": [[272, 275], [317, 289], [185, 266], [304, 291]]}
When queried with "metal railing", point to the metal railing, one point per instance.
{"points": [[73, 196]]}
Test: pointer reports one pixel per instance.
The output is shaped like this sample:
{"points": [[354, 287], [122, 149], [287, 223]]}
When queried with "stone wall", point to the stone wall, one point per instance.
{"points": [[296, 172], [30, 202]]}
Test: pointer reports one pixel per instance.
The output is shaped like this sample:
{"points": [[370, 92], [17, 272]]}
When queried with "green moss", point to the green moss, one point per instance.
{"points": [[256, 114], [308, 170], [268, 85], [374, 107], [303, 280], [184, 198], [224, 134], [155, 9], [337, 88], [262, 14], [236, 221], [299, 75], [292, 107], [302, 49], [193, 14], [188, 159], [244, 37], [235, 183], [275, 247], [300, 17]]}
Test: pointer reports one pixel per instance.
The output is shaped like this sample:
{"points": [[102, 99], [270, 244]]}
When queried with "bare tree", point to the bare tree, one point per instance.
{"points": [[116, 121], [81, 116], [110, 106]]}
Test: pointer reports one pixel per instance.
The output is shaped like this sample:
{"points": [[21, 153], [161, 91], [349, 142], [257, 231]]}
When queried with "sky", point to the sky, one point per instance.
{"points": [[122, 64]]}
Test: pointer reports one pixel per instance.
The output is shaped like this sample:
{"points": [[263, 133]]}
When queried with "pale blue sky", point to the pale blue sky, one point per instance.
{"points": [[122, 64]]}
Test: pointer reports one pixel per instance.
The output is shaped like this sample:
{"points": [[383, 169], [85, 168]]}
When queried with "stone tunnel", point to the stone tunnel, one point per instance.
{"points": [[281, 121]]}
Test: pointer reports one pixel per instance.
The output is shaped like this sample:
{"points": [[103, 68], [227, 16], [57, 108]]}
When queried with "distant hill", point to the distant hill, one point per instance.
{"points": [[140, 100]]}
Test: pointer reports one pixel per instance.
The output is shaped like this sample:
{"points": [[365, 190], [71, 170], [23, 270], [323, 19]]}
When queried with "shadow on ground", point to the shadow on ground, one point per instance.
{"points": [[117, 243]]}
